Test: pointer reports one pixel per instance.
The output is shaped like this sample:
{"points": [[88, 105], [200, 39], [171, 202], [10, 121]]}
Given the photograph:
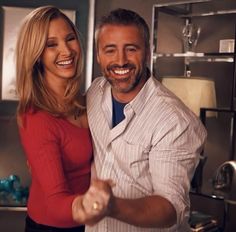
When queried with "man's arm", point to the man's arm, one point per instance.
{"points": [[150, 211]]}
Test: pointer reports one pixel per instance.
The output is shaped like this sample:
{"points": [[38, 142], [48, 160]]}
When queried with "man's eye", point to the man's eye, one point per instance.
{"points": [[131, 49], [109, 51]]}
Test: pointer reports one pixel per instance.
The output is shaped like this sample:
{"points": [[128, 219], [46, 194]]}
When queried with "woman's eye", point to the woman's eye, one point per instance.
{"points": [[71, 38], [50, 45]]}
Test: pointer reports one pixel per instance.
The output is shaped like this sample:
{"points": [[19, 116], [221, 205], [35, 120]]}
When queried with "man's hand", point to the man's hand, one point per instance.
{"points": [[97, 200], [95, 204]]}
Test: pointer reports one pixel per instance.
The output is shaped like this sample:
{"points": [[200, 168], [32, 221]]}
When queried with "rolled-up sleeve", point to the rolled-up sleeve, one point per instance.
{"points": [[173, 160]]}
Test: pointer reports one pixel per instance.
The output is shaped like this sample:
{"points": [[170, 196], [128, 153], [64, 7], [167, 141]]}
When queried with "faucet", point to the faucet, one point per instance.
{"points": [[225, 180]]}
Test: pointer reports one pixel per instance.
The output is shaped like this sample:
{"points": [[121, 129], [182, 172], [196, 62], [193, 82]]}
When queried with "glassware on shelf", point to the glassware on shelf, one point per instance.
{"points": [[11, 191], [190, 35]]}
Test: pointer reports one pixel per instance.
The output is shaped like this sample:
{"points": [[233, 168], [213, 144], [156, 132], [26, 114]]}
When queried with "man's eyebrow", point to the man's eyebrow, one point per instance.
{"points": [[126, 45], [109, 46], [132, 45]]}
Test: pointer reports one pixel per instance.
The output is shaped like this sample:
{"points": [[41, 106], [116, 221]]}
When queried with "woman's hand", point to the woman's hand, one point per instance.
{"points": [[95, 204]]}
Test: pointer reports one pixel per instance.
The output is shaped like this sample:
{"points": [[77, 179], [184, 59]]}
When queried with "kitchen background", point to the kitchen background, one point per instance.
{"points": [[12, 160]]}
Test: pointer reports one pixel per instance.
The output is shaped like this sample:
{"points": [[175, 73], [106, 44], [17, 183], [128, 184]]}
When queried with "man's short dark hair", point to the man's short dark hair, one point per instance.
{"points": [[124, 17]]}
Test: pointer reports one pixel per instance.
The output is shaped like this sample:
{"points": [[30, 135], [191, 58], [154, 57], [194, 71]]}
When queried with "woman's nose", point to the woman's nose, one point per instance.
{"points": [[65, 49]]}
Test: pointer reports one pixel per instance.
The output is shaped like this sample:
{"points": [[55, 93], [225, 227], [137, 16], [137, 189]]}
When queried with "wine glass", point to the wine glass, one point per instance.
{"points": [[190, 34]]}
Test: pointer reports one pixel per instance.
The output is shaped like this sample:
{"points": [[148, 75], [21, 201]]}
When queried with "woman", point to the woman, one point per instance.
{"points": [[52, 120]]}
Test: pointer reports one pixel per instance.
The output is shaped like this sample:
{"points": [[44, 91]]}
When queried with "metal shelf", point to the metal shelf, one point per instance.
{"points": [[162, 3], [13, 208], [12, 205], [198, 56], [181, 13], [173, 8], [210, 13]]}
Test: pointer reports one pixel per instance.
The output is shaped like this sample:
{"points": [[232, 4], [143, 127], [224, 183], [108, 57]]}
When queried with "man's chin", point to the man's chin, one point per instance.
{"points": [[122, 89]]}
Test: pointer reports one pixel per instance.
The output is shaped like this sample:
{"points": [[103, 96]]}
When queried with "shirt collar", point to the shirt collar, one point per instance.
{"points": [[139, 102], [142, 97]]}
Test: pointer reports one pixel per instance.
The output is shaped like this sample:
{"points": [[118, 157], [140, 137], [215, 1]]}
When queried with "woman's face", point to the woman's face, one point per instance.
{"points": [[61, 53]]}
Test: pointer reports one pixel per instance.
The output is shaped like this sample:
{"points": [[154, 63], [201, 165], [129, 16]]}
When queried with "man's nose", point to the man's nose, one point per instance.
{"points": [[121, 58]]}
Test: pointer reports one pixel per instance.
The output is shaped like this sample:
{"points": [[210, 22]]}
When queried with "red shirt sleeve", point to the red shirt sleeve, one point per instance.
{"points": [[42, 141]]}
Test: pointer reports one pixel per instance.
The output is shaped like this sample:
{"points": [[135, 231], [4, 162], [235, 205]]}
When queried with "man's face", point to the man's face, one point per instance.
{"points": [[122, 56]]}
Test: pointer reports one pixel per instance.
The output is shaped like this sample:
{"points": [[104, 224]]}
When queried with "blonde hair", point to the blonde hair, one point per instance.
{"points": [[32, 91]]}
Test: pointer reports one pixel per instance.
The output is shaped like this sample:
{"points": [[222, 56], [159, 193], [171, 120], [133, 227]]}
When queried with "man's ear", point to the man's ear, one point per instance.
{"points": [[148, 55], [98, 58]]}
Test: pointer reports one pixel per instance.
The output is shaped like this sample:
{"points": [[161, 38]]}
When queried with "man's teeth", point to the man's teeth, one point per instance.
{"points": [[121, 72], [66, 62]]}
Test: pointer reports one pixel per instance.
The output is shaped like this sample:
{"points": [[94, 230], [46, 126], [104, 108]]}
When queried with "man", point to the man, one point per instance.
{"points": [[145, 139]]}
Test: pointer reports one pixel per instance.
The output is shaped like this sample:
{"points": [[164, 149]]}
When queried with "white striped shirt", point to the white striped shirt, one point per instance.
{"points": [[153, 151]]}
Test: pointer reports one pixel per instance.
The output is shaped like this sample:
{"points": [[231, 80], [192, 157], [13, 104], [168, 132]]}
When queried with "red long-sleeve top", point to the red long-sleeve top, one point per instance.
{"points": [[59, 154]]}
